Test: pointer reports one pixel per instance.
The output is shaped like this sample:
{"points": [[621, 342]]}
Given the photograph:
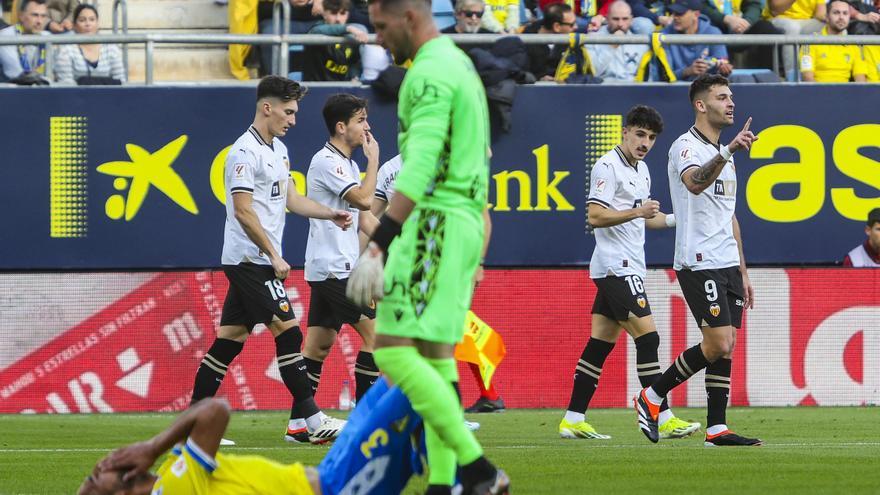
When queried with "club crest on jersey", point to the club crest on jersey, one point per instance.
{"points": [[715, 310], [642, 302], [284, 305], [600, 186], [276, 189]]}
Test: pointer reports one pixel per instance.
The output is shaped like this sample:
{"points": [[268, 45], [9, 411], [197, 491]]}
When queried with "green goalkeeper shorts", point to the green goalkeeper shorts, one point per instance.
{"points": [[429, 277]]}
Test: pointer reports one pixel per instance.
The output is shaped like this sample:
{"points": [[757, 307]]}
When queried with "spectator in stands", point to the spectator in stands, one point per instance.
{"points": [[559, 18], [16, 60], [687, 62], [867, 255], [617, 63], [834, 63], [304, 14], [468, 18], [795, 17], [744, 17], [503, 16], [89, 63], [61, 15], [867, 12], [339, 62], [2, 20]]}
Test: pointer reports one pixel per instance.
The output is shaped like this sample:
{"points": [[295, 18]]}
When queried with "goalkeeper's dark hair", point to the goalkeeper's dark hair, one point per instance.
{"points": [[341, 108], [281, 88], [645, 117], [704, 83]]}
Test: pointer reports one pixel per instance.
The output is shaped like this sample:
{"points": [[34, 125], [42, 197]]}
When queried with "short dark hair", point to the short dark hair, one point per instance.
{"points": [[337, 5], [280, 87], [704, 83], [83, 6], [829, 2], [25, 3], [645, 117], [873, 217], [341, 108], [555, 13]]}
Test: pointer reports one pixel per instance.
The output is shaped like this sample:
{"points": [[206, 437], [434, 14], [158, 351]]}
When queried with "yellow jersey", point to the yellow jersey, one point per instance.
{"points": [[833, 63], [189, 471], [498, 9], [800, 9], [872, 61]]}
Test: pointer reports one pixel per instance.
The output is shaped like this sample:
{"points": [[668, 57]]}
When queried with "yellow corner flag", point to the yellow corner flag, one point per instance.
{"points": [[482, 346]]}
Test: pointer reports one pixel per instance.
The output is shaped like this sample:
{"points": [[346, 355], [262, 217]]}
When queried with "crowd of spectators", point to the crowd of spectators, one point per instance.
{"points": [[357, 60], [627, 62], [83, 64]]}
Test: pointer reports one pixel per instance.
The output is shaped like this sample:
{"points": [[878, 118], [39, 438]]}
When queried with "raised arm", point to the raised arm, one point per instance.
{"points": [[204, 424], [697, 178]]}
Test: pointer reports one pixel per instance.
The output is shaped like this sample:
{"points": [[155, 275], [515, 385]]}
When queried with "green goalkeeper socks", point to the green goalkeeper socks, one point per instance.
{"points": [[432, 396], [441, 458]]}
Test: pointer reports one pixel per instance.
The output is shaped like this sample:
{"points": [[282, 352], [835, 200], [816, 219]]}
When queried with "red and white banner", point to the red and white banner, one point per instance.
{"points": [[812, 339]]}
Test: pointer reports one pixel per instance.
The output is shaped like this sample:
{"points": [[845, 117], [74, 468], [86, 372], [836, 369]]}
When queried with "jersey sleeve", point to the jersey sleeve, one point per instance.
{"points": [[683, 157], [381, 183], [602, 185], [427, 133], [334, 177], [187, 471], [241, 167]]}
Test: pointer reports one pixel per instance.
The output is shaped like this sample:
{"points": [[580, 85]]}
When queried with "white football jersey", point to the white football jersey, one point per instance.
{"points": [[386, 177], [704, 222], [262, 170], [617, 185], [331, 251]]}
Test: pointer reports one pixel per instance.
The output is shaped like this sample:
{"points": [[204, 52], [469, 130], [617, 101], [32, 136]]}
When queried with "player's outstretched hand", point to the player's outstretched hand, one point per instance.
{"points": [[366, 284], [743, 140], [371, 147], [342, 219], [282, 269], [135, 459], [649, 209]]}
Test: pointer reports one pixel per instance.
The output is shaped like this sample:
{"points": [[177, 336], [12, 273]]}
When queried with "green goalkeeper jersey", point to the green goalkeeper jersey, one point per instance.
{"points": [[444, 131]]}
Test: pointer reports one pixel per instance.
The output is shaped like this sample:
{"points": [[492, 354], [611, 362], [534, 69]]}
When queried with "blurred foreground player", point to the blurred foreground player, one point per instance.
{"points": [[380, 449], [620, 208], [709, 260], [431, 236]]}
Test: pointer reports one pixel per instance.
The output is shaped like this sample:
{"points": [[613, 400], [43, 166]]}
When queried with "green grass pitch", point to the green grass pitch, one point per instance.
{"points": [[808, 450]]}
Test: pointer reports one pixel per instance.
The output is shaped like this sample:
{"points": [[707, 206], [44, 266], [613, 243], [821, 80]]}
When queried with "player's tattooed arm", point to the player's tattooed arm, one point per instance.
{"points": [[697, 179]]}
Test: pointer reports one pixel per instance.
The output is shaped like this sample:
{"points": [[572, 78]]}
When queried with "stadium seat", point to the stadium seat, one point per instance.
{"points": [[444, 13]]}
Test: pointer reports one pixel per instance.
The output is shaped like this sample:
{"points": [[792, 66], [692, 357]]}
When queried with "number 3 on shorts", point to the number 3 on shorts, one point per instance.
{"points": [[276, 289], [635, 284]]}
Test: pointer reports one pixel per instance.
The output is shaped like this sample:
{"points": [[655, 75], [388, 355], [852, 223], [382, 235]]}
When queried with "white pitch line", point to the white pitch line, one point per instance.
{"points": [[503, 447]]}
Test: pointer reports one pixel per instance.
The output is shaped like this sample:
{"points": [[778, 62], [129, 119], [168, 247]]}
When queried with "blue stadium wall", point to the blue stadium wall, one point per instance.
{"points": [[127, 178]]}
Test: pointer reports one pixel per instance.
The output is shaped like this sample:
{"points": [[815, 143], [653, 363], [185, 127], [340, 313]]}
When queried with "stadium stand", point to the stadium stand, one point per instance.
{"points": [[175, 62]]}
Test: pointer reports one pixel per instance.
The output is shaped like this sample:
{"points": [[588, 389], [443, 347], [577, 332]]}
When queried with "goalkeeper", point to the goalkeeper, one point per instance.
{"points": [[436, 223]]}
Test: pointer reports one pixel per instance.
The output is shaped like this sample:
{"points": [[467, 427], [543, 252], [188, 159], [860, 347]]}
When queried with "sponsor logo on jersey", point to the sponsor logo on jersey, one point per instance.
{"points": [[239, 170], [276, 189], [715, 310], [600, 186], [179, 467]]}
